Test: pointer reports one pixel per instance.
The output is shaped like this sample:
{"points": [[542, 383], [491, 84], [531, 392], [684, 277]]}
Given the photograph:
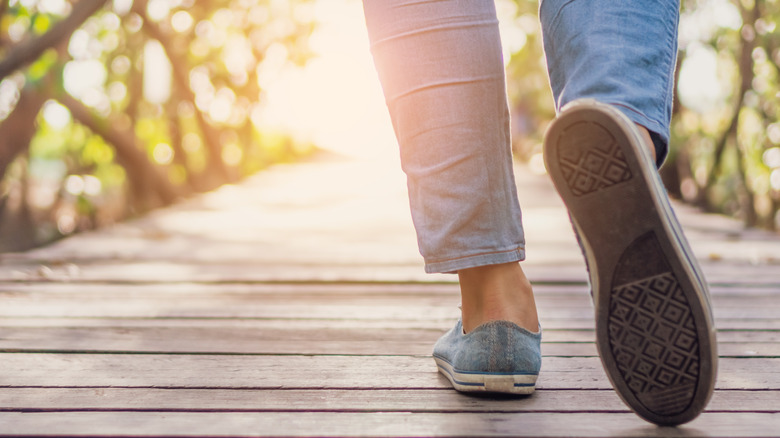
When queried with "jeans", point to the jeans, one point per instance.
{"points": [[442, 73]]}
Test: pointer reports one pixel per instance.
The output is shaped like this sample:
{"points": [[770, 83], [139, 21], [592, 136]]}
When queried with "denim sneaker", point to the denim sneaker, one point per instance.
{"points": [[654, 325], [498, 356]]}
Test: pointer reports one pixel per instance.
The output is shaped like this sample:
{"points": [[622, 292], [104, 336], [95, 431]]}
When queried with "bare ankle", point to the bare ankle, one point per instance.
{"points": [[648, 141], [497, 292]]}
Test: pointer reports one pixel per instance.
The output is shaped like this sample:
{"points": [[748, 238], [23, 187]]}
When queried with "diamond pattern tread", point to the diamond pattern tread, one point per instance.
{"points": [[591, 159], [653, 321], [652, 335]]}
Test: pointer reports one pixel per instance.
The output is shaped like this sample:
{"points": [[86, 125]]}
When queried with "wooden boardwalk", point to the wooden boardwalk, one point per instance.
{"points": [[294, 305]]}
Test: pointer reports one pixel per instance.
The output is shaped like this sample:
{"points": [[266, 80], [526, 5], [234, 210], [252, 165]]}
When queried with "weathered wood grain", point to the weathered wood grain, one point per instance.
{"points": [[139, 305], [72, 267], [237, 314], [380, 424], [344, 400], [193, 338], [578, 294], [294, 371]]}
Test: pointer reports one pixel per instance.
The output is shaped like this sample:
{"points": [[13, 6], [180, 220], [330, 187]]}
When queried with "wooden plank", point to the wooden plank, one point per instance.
{"points": [[309, 328], [319, 340], [358, 289], [381, 424], [293, 371], [249, 308], [340, 400], [550, 324], [144, 303], [562, 293], [318, 268], [551, 296]]}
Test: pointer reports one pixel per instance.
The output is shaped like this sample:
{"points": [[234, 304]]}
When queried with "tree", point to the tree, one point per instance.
{"points": [[725, 149], [146, 101], [727, 157]]}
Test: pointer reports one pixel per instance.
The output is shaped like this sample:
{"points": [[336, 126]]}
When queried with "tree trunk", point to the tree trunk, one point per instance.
{"points": [[747, 45], [18, 128], [30, 49], [145, 180], [16, 131], [217, 172]]}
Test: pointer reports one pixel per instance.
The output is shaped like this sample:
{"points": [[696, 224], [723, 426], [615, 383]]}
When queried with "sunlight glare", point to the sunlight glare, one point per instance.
{"points": [[92, 185], [238, 55], [771, 158], [700, 88], [513, 36], [121, 65], [335, 100], [157, 73], [56, 115], [78, 45], [221, 106], [81, 77], [121, 7], [773, 132], [74, 184], [56, 7], [158, 9], [702, 22], [163, 153], [117, 91], [774, 180], [9, 94], [181, 21]]}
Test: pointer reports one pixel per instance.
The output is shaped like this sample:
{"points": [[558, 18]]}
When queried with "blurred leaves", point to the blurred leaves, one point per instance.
{"points": [[109, 109], [725, 151], [722, 135]]}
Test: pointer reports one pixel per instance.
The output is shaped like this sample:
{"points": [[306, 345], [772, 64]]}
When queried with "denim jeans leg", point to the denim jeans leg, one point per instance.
{"points": [[621, 53], [441, 68]]}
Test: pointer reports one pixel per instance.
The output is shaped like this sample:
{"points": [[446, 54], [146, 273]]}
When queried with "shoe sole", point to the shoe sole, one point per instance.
{"points": [[520, 384], [654, 327]]}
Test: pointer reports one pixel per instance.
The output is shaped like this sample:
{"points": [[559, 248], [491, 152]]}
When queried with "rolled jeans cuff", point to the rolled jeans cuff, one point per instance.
{"points": [[451, 266]]}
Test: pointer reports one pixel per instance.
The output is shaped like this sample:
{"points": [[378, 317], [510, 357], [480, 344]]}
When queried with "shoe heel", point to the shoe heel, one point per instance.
{"points": [[651, 332], [590, 159]]}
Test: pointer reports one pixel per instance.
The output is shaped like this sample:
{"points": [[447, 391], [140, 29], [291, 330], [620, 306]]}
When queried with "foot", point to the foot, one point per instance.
{"points": [[647, 142], [497, 293], [654, 325], [497, 357]]}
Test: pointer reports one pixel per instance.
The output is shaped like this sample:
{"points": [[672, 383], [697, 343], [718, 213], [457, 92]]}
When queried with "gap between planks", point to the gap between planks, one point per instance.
{"points": [[382, 424], [314, 372], [344, 400]]}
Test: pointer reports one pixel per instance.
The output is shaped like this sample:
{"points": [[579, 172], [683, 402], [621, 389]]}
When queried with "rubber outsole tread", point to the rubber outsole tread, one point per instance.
{"points": [[653, 323]]}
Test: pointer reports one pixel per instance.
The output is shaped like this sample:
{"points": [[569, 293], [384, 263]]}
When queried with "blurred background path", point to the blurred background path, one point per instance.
{"points": [[339, 218], [294, 304]]}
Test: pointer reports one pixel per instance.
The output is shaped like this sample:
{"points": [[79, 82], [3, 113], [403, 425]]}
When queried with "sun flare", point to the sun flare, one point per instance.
{"points": [[335, 100]]}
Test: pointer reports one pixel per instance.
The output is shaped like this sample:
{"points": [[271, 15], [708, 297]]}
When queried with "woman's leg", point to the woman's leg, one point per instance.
{"points": [[623, 54], [611, 68], [441, 68]]}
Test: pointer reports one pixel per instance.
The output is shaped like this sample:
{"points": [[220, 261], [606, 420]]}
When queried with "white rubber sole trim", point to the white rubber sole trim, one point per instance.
{"points": [[506, 383]]}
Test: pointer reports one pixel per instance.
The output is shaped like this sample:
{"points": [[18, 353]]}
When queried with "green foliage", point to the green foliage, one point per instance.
{"points": [[175, 80], [529, 93], [41, 67], [729, 75], [720, 148]]}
